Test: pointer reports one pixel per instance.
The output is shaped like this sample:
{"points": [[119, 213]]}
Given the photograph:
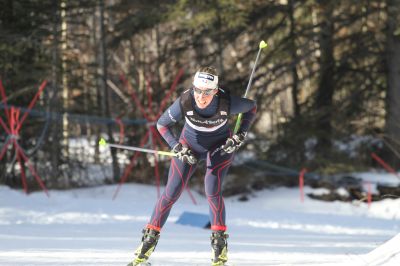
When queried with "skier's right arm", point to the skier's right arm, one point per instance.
{"points": [[170, 117]]}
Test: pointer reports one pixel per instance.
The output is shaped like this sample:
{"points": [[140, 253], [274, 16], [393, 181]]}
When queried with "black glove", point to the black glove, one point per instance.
{"points": [[184, 154], [233, 143]]}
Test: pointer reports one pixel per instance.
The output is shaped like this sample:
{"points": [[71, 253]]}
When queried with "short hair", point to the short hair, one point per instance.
{"points": [[209, 69]]}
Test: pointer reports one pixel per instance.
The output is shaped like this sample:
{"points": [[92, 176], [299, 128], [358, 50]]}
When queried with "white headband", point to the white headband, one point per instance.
{"points": [[205, 80]]}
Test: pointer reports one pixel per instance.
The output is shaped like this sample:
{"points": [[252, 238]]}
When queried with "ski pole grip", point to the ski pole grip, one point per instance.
{"points": [[238, 122]]}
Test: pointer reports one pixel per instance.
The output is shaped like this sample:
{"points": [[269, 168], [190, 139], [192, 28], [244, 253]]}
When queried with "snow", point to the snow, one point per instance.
{"points": [[86, 227], [385, 254], [387, 179], [351, 145]]}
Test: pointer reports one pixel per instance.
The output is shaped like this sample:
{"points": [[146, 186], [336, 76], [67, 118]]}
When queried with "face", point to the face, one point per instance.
{"points": [[203, 97]]}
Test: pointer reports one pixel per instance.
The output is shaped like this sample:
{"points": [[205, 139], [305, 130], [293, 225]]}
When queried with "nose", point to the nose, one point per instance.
{"points": [[202, 95]]}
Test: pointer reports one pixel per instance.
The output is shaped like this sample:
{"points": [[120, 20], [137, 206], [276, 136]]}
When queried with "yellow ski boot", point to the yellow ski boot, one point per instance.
{"points": [[219, 246], [143, 252]]}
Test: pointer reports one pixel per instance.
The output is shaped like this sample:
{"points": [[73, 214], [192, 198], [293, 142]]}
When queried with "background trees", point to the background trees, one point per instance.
{"points": [[329, 78]]}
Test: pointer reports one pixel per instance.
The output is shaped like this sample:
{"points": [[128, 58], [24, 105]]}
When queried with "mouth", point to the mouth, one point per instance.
{"points": [[201, 101]]}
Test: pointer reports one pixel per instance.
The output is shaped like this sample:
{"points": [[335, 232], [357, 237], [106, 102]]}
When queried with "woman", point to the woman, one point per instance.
{"points": [[205, 135]]}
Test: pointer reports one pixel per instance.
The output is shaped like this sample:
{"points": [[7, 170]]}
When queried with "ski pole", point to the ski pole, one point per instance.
{"points": [[103, 142], [261, 46]]}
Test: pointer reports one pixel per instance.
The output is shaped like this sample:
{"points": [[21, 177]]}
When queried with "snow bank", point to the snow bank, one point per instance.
{"points": [[387, 254]]}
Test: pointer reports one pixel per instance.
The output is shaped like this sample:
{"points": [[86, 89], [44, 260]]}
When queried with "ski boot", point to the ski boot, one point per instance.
{"points": [[219, 246], [143, 252]]}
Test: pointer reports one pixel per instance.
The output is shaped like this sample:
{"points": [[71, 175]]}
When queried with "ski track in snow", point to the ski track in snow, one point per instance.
{"points": [[85, 227]]}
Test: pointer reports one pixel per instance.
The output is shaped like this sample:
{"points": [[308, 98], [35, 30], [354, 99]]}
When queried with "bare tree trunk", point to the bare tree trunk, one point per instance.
{"points": [[219, 40], [295, 76], [393, 74], [64, 82], [106, 92], [324, 97], [95, 94], [54, 99]]}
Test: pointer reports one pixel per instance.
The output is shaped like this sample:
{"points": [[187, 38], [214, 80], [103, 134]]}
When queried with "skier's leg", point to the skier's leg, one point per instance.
{"points": [[217, 168], [179, 174]]}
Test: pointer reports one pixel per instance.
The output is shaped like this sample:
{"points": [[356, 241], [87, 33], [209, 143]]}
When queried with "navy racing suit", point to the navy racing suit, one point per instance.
{"points": [[205, 142]]}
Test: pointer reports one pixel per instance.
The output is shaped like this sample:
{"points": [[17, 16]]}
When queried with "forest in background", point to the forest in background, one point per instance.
{"points": [[327, 86]]}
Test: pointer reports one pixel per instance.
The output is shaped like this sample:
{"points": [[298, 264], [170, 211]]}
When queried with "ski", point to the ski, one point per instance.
{"points": [[140, 264]]}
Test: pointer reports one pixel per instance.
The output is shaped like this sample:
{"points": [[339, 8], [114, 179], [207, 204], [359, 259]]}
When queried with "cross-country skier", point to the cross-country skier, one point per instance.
{"points": [[205, 135]]}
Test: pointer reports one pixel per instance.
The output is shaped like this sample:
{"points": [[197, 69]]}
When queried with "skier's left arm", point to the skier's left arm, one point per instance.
{"points": [[248, 108]]}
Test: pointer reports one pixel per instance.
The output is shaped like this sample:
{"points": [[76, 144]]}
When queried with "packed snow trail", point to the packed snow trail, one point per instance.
{"points": [[85, 227]]}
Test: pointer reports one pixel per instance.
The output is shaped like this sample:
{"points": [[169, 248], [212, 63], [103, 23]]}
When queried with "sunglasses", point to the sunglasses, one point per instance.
{"points": [[206, 92]]}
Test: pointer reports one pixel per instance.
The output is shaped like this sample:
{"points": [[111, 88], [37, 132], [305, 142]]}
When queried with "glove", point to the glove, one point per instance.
{"points": [[184, 154], [233, 143]]}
